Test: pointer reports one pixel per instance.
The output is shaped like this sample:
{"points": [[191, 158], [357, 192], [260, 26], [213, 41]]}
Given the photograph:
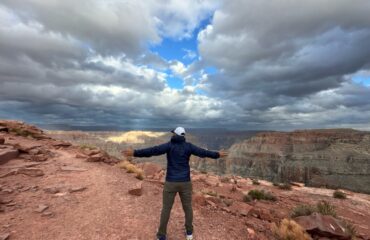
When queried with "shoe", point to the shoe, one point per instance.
{"points": [[189, 235], [161, 238]]}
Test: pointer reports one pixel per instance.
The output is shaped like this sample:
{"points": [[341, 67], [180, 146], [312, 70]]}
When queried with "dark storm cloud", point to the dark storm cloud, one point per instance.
{"points": [[276, 59]]}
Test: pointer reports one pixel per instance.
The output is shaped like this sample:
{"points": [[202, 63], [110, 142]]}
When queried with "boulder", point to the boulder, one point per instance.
{"points": [[25, 145], [39, 158], [136, 190], [7, 154], [324, 226], [2, 140], [150, 169], [212, 181]]}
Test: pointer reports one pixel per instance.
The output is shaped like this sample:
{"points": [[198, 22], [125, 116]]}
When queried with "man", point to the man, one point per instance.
{"points": [[178, 176]]}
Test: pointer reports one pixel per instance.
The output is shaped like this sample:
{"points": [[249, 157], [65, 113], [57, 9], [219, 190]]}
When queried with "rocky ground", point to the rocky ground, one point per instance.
{"points": [[51, 189]]}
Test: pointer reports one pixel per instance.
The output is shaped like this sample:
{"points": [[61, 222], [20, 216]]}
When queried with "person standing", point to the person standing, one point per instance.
{"points": [[178, 179]]}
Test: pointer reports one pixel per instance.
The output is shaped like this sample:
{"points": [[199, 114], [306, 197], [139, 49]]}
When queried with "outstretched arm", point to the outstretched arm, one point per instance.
{"points": [[147, 152], [200, 152]]}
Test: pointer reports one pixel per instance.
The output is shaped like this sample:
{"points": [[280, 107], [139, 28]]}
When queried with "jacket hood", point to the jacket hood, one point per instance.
{"points": [[177, 139]]}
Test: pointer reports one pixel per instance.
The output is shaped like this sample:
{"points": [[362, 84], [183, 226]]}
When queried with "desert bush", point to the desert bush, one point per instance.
{"points": [[351, 229], [261, 195], [325, 208], [255, 182], [131, 168], [22, 132], [339, 194], [285, 186], [210, 192], [289, 230], [247, 198], [303, 210], [276, 184]]}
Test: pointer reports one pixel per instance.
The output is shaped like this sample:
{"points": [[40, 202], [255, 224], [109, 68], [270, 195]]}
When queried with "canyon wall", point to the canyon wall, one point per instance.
{"points": [[334, 158]]}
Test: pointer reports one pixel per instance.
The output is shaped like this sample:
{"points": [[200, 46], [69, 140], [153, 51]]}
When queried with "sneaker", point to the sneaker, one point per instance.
{"points": [[161, 238], [189, 235]]}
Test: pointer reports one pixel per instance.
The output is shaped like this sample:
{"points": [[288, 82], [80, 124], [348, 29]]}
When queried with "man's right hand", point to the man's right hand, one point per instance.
{"points": [[223, 153], [129, 152]]}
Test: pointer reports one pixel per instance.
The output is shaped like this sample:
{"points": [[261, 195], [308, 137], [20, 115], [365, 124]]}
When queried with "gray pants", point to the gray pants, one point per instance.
{"points": [[169, 193]]}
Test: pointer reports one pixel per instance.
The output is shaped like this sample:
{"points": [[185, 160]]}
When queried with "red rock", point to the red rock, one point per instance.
{"points": [[261, 213], [32, 172], [323, 226], [91, 152], [52, 190], [80, 155], [72, 168], [4, 236], [95, 158], [241, 208], [39, 158], [4, 129], [212, 181], [7, 154], [41, 208], [2, 140], [58, 143], [136, 190], [297, 184], [77, 189], [151, 168], [199, 199], [25, 145], [212, 204]]}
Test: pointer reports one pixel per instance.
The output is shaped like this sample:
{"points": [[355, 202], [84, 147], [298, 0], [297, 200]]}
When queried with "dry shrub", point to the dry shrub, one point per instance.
{"points": [[285, 186], [289, 230], [261, 195], [210, 192], [303, 210], [131, 168], [325, 208], [322, 207], [339, 194], [255, 182]]}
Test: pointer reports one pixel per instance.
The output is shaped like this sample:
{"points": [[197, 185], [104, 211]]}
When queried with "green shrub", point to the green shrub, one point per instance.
{"points": [[255, 182], [261, 195], [339, 194], [303, 210], [325, 208]]}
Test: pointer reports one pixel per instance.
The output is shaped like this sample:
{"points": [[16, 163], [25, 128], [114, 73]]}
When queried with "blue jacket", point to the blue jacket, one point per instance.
{"points": [[178, 155]]}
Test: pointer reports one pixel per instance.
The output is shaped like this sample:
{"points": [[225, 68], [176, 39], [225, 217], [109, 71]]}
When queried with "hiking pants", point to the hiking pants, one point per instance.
{"points": [[169, 193]]}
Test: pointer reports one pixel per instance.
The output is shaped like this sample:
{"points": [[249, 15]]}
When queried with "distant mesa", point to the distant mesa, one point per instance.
{"points": [[135, 137]]}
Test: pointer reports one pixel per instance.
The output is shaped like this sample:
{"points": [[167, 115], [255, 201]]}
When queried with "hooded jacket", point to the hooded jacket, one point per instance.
{"points": [[178, 154]]}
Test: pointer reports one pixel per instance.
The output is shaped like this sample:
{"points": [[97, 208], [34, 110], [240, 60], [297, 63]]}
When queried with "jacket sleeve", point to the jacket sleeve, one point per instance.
{"points": [[152, 151], [200, 152]]}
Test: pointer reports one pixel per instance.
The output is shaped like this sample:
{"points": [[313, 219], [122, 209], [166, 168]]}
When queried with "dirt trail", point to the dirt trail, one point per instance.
{"points": [[104, 210]]}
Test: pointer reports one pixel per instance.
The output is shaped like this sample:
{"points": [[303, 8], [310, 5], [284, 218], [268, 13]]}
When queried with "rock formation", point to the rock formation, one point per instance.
{"points": [[335, 158]]}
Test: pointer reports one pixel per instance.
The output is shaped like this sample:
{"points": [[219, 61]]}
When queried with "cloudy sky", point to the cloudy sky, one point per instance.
{"points": [[281, 64]]}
